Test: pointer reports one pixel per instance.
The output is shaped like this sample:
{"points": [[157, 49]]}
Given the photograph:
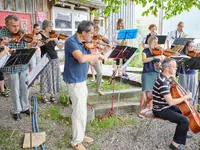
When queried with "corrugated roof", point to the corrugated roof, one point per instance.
{"points": [[88, 3]]}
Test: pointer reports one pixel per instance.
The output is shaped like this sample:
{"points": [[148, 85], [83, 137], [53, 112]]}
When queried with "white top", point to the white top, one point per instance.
{"points": [[174, 35], [114, 37]]}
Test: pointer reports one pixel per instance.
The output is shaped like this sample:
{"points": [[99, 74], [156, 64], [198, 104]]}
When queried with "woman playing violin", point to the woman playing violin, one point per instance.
{"points": [[149, 72], [97, 38], [186, 76], [36, 37], [50, 78]]}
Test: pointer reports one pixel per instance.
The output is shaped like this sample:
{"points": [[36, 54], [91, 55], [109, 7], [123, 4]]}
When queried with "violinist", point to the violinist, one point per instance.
{"points": [[186, 76], [37, 37], [17, 75], [152, 28], [77, 58], [98, 65], [164, 105], [120, 26], [149, 72], [50, 78]]}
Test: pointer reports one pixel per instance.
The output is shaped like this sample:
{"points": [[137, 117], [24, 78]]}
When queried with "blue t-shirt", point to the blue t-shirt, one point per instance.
{"points": [[74, 71], [149, 66]]}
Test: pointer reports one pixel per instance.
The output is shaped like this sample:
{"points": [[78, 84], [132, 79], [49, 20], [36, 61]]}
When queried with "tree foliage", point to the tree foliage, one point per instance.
{"points": [[170, 7]]}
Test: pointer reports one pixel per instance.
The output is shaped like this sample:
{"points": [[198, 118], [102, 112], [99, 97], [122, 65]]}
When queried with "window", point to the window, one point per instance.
{"points": [[67, 20]]}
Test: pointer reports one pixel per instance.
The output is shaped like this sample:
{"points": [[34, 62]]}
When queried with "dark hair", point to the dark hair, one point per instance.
{"points": [[186, 45], [35, 25], [46, 23], [10, 17], [85, 25]]}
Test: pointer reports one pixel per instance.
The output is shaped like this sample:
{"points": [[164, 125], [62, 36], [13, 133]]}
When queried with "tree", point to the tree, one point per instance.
{"points": [[170, 7]]}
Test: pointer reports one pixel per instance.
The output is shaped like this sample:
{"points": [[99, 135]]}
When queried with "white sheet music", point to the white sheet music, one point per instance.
{"points": [[4, 59]]}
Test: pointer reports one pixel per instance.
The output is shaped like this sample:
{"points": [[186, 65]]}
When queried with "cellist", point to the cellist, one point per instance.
{"points": [[164, 106]]}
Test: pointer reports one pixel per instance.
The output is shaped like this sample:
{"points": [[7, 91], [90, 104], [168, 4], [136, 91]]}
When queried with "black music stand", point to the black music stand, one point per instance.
{"points": [[161, 39], [120, 52], [22, 56], [182, 41]]}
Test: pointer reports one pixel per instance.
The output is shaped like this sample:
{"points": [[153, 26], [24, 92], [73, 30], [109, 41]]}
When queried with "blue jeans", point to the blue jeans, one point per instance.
{"points": [[173, 114]]}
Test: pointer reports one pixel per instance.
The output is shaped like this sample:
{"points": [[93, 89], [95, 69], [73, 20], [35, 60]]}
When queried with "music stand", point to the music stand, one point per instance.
{"points": [[182, 41], [22, 56], [161, 39], [121, 52]]}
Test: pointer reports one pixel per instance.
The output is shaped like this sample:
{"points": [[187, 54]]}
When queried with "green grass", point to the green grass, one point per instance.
{"points": [[65, 140], [106, 86], [53, 113], [10, 139]]}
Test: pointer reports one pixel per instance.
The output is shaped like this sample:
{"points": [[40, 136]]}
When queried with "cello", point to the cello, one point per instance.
{"points": [[186, 107]]}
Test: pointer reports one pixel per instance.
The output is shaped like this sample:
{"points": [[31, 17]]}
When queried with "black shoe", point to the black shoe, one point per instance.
{"points": [[16, 116], [180, 147], [26, 112]]}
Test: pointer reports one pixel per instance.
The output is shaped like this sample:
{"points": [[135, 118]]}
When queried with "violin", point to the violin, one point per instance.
{"points": [[193, 54], [92, 45], [186, 107], [158, 50], [21, 35], [53, 34], [99, 37]]}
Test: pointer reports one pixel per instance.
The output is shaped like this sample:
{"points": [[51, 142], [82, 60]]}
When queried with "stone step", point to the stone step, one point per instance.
{"points": [[127, 95], [119, 108]]}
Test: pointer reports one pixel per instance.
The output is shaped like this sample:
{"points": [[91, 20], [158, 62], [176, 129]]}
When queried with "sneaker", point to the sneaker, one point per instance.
{"points": [[92, 80], [16, 116], [102, 81], [88, 139], [189, 135], [100, 92], [79, 147]]}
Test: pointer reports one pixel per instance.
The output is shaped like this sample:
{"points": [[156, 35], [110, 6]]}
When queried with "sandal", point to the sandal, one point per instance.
{"points": [[45, 100], [53, 100], [5, 94]]}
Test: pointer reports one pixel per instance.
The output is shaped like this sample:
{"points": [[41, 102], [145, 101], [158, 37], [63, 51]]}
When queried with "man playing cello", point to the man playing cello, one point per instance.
{"points": [[164, 105]]}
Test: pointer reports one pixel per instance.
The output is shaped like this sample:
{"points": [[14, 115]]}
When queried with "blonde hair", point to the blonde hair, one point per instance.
{"points": [[118, 23], [152, 26], [151, 39]]}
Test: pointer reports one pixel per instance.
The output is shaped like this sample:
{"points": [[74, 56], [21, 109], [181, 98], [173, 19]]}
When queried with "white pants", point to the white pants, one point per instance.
{"points": [[78, 93], [19, 91]]}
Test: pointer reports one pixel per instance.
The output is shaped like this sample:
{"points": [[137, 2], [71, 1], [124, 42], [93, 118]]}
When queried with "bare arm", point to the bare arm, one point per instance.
{"points": [[176, 101]]}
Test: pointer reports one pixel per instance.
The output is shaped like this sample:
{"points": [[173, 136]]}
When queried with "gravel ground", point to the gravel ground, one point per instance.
{"points": [[156, 137]]}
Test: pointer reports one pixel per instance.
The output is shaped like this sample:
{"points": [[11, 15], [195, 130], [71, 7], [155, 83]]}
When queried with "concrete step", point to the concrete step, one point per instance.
{"points": [[119, 108], [127, 95]]}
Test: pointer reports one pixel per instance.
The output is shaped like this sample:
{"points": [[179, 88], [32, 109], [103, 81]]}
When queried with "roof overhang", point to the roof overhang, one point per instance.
{"points": [[88, 3]]}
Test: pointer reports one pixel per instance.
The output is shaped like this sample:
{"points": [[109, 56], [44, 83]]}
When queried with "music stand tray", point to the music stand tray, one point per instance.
{"points": [[161, 39], [22, 56]]}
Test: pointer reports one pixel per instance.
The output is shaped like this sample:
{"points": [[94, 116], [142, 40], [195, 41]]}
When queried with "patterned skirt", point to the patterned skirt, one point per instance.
{"points": [[50, 78]]}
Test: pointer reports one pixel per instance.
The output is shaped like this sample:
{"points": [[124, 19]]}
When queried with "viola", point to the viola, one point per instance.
{"points": [[169, 53], [92, 44], [53, 34], [186, 107], [99, 37]]}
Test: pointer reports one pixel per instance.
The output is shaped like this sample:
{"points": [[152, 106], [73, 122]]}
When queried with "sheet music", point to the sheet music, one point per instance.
{"points": [[37, 70], [4, 59]]}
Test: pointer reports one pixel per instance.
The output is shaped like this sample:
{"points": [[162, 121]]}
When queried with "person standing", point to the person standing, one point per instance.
{"points": [[178, 33], [50, 78], [76, 66], [17, 74]]}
